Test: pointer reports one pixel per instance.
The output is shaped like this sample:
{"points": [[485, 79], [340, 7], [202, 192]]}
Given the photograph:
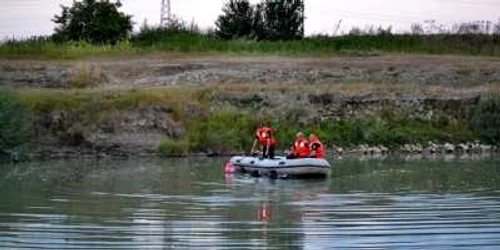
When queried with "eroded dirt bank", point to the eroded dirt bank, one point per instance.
{"points": [[131, 104]]}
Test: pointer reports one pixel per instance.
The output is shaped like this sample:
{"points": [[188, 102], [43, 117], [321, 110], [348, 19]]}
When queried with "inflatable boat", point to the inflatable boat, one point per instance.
{"points": [[280, 166]]}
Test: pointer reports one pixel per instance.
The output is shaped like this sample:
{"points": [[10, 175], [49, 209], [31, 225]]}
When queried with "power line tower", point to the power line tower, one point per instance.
{"points": [[166, 14]]}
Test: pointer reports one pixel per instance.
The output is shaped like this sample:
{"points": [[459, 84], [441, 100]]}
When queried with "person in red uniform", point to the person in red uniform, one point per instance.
{"points": [[300, 148], [317, 148], [264, 135]]}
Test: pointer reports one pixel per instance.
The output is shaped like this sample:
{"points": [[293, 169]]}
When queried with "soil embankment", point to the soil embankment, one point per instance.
{"points": [[122, 106]]}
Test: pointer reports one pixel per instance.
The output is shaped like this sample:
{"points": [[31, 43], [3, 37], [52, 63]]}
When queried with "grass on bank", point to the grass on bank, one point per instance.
{"points": [[157, 40], [230, 129]]}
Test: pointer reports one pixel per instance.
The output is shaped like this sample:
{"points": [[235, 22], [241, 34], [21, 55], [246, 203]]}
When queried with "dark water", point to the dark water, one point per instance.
{"points": [[366, 204]]}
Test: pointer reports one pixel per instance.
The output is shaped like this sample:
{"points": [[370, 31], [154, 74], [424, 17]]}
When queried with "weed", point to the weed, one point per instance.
{"points": [[464, 70], [86, 76], [173, 148]]}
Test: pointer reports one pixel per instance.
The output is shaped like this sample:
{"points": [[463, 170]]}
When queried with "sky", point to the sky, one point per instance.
{"points": [[24, 18]]}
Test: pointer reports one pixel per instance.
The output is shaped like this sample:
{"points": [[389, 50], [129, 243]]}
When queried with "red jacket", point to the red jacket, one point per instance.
{"points": [[301, 148], [265, 135], [318, 147]]}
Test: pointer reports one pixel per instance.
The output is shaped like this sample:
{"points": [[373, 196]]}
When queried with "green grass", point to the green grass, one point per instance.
{"points": [[45, 48], [173, 148], [154, 41]]}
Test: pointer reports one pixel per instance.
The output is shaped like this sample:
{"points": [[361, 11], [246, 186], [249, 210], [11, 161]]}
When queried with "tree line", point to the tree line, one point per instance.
{"points": [[100, 21]]}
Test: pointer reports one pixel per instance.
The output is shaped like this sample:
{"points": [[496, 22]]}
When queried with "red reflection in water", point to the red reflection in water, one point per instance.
{"points": [[265, 212]]}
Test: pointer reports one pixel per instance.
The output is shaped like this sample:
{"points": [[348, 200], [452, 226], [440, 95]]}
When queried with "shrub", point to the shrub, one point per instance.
{"points": [[15, 122], [170, 147], [486, 119], [223, 132], [86, 76]]}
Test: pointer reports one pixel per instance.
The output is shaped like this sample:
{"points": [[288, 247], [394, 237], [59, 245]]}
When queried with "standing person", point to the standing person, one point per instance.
{"points": [[317, 148], [300, 148], [264, 135]]}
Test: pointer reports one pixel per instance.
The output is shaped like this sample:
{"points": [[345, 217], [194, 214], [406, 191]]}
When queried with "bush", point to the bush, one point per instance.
{"points": [[170, 147], [15, 122], [223, 132], [86, 76], [486, 119]]}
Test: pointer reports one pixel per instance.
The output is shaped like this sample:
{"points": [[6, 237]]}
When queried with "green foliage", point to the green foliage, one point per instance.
{"points": [[237, 20], [15, 122], [486, 119], [231, 131], [273, 20], [178, 36], [390, 133], [173, 148], [225, 131], [187, 39], [280, 20], [47, 48], [95, 21]]}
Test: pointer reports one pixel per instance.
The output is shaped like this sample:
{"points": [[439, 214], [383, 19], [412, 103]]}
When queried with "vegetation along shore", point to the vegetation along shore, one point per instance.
{"points": [[179, 91]]}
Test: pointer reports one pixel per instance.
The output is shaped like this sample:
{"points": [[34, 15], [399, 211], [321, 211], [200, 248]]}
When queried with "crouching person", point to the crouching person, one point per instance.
{"points": [[317, 148], [300, 148]]}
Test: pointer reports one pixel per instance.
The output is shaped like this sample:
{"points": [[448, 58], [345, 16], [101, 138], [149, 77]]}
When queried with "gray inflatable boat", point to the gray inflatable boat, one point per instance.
{"points": [[281, 166]]}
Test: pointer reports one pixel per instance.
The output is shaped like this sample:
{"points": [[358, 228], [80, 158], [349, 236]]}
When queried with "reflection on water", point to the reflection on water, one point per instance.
{"points": [[366, 204]]}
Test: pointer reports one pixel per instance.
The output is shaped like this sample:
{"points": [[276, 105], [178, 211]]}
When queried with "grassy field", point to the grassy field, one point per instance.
{"points": [[155, 41]]}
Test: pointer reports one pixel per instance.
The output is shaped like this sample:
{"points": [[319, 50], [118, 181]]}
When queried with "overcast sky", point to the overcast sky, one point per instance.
{"points": [[21, 18]]}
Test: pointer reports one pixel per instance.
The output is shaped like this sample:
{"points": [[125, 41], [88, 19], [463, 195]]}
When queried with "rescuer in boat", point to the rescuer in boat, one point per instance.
{"points": [[317, 148], [264, 135], [300, 148]]}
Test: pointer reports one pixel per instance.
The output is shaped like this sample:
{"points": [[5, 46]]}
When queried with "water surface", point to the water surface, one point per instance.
{"points": [[392, 203]]}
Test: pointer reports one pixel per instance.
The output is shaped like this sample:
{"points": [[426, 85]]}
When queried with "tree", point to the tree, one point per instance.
{"points": [[236, 20], [280, 20], [95, 21], [269, 20]]}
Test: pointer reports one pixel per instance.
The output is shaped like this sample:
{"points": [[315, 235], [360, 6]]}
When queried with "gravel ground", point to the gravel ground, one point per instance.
{"points": [[450, 71]]}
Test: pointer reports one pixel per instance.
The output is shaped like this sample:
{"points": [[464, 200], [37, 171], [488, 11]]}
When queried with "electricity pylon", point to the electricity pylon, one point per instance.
{"points": [[166, 14]]}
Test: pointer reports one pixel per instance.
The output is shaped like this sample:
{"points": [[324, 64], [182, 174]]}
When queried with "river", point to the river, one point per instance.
{"points": [[391, 203]]}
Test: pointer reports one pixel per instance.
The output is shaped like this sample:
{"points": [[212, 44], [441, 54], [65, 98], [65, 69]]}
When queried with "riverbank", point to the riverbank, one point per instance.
{"points": [[410, 151], [171, 106]]}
